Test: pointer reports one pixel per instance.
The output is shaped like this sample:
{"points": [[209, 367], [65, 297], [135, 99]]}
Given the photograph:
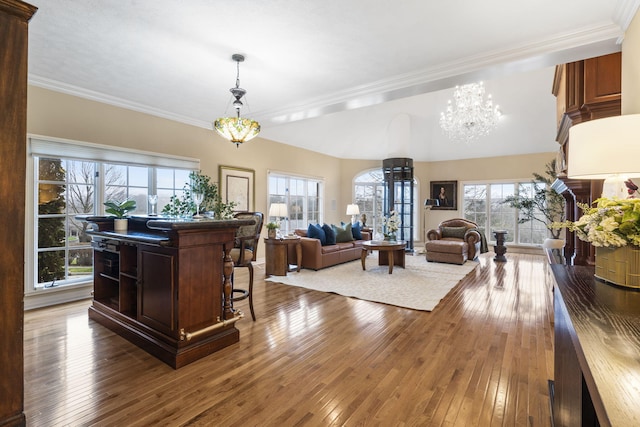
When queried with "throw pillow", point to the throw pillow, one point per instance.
{"points": [[355, 231], [457, 232], [316, 232], [343, 234], [330, 234]]}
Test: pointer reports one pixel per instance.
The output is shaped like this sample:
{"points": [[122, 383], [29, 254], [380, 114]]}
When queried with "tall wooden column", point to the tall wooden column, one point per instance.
{"points": [[14, 18]]}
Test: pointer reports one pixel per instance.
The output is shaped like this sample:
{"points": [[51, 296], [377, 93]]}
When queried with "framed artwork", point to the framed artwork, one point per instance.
{"points": [[446, 195], [236, 185]]}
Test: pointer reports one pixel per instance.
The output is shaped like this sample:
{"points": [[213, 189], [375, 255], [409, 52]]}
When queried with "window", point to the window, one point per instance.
{"points": [[369, 190], [482, 204], [369, 196], [65, 185], [303, 196]]}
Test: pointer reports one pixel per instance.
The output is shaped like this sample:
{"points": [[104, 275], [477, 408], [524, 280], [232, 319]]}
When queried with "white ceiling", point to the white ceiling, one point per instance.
{"points": [[334, 76]]}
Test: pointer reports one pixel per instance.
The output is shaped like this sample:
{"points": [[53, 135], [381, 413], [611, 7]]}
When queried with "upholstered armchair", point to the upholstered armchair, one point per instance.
{"points": [[455, 240], [244, 253]]}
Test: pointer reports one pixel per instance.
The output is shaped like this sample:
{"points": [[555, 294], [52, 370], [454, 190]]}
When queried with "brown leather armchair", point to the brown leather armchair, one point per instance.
{"points": [[455, 240], [244, 253]]}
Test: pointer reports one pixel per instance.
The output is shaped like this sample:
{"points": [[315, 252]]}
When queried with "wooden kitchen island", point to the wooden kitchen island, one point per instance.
{"points": [[165, 285]]}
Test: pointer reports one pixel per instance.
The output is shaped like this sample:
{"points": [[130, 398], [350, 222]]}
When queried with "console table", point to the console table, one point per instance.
{"points": [[165, 285], [596, 351]]}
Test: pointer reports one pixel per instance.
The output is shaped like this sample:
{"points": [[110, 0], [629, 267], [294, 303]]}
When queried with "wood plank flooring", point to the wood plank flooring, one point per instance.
{"points": [[481, 358]]}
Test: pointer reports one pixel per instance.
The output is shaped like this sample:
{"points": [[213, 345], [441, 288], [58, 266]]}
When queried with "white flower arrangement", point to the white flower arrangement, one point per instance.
{"points": [[611, 223], [392, 222]]}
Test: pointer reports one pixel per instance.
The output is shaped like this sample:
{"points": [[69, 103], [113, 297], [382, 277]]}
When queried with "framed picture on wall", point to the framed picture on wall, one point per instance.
{"points": [[446, 195], [236, 185]]}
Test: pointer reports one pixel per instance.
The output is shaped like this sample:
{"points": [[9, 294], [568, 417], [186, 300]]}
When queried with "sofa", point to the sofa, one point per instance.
{"points": [[454, 241], [316, 256]]}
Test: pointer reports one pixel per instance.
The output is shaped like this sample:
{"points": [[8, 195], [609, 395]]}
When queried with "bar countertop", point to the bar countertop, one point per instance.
{"points": [[155, 229], [606, 323]]}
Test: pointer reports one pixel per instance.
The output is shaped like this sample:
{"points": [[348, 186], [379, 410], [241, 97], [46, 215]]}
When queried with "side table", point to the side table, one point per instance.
{"points": [[500, 249], [277, 259]]}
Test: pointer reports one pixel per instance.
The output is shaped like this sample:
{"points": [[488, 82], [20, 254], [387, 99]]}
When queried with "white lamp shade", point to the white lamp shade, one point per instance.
{"points": [[353, 210], [278, 210], [599, 149]]}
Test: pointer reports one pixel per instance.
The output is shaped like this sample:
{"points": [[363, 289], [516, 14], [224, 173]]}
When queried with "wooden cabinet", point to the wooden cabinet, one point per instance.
{"points": [[585, 90], [165, 286], [157, 290], [14, 19]]}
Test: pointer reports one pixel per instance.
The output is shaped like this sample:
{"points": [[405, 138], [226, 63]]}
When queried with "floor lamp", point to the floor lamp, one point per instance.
{"points": [[428, 204]]}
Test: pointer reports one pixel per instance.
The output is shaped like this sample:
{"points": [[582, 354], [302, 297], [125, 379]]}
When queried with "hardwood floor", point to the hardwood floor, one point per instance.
{"points": [[481, 358]]}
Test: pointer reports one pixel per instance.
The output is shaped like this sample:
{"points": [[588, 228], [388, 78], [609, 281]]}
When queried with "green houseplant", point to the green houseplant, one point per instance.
{"points": [[544, 204], [271, 229], [120, 210], [212, 201]]}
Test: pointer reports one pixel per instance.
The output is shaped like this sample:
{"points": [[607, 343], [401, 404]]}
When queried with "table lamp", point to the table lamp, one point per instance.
{"points": [[279, 211], [606, 149], [354, 211]]}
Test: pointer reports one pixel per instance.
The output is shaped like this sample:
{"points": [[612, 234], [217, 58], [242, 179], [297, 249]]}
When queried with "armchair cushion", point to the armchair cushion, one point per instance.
{"points": [[456, 232]]}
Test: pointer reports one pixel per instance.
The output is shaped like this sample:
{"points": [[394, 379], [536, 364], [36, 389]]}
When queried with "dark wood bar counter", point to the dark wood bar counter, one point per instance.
{"points": [[165, 285], [597, 351]]}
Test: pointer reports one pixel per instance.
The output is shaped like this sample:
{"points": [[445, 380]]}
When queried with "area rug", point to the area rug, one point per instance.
{"points": [[419, 286]]}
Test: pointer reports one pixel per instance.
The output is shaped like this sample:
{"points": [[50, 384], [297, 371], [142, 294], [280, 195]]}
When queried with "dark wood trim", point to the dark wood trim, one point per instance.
{"points": [[14, 17]]}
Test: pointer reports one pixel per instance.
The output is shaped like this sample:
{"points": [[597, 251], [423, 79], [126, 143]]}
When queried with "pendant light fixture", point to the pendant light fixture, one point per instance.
{"points": [[237, 129]]}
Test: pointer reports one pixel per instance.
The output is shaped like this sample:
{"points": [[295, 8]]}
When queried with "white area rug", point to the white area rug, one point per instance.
{"points": [[419, 286]]}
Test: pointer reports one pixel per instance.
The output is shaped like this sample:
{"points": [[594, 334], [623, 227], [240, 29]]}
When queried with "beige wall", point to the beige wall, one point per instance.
{"points": [[631, 68], [463, 171], [63, 116]]}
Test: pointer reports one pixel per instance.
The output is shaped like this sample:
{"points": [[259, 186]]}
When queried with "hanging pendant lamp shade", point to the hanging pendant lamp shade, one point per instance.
{"points": [[237, 129]]}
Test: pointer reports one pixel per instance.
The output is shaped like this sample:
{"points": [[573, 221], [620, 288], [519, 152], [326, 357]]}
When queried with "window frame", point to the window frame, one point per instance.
{"points": [[374, 218], [285, 196], [515, 240], [68, 150]]}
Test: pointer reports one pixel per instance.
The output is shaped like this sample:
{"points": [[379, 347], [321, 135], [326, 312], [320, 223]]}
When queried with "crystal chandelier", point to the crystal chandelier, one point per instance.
{"points": [[471, 117], [237, 129]]}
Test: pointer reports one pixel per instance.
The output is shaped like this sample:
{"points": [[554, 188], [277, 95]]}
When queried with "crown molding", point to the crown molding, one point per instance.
{"points": [[624, 12], [491, 64], [547, 52]]}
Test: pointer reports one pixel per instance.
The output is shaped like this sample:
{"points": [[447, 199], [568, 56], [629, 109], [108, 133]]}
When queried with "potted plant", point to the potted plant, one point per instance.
{"points": [[211, 202], [271, 229], [544, 205], [120, 210]]}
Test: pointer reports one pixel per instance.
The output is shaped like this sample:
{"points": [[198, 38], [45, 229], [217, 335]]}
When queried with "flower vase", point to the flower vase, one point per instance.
{"points": [[390, 237], [271, 233], [620, 266]]}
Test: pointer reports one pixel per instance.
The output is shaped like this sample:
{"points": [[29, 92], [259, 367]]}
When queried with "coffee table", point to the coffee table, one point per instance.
{"points": [[389, 253]]}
